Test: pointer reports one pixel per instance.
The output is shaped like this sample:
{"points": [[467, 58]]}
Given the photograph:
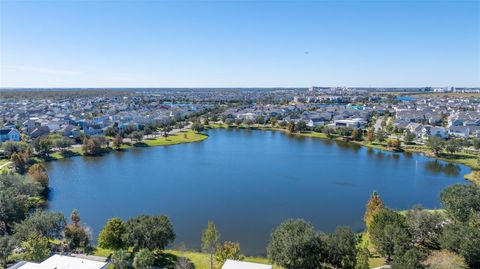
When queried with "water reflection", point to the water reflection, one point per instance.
{"points": [[439, 167]]}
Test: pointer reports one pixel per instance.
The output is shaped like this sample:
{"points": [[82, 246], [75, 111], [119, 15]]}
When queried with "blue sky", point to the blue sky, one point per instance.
{"points": [[239, 43]]}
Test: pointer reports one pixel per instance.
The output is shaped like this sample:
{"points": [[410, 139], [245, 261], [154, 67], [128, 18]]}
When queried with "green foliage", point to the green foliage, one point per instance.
{"points": [[120, 259], [300, 126], [461, 201], [144, 259], [10, 147], [42, 145], [374, 205], [6, 247], [15, 192], [341, 249], [150, 232], [210, 239], [198, 127], [76, 235], [293, 245], [44, 223], [36, 248], [357, 134], [435, 144], [363, 256], [412, 258], [92, 146], [445, 259], [39, 174], [229, 250], [425, 227], [111, 236], [408, 137], [389, 233]]}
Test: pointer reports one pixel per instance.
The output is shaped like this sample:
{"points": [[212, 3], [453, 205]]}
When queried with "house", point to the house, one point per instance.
{"points": [[38, 131], [459, 131], [355, 123], [231, 264], [62, 262], [428, 131], [9, 134]]}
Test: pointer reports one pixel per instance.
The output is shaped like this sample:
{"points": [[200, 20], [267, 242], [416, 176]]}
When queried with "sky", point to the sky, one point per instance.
{"points": [[239, 43]]}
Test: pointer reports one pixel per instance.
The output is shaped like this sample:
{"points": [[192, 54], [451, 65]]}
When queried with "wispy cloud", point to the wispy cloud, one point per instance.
{"points": [[42, 70]]}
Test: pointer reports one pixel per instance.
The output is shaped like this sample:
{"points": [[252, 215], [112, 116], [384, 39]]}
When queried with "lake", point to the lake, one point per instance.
{"points": [[247, 182]]}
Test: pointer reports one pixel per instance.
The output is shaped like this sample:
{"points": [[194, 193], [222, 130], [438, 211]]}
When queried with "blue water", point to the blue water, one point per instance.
{"points": [[247, 182]]}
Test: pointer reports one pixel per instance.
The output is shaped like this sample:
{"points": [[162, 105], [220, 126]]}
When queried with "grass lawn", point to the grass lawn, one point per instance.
{"points": [[181, 137], [474, 177], [200, 260]]}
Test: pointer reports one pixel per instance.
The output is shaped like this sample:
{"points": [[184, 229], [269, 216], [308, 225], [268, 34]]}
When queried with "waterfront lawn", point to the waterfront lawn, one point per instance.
{"points": [[199, 259], [179, 138], [474, 177]]}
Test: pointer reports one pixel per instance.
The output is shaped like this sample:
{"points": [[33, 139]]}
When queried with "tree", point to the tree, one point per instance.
{"points": [[210, 239], [144, 259], [36, 248], [371, 135], [425, 228], [117, 141], [63, 143], [76, 235], [137, 135], [381, 136], [363, 255], [300, 126], [461, 200], [412, 258], [291, 127], [151, 232], [198, 127], [19, 162], [453, 145], [357, 134], [39, 174], [293, 245], [6, 247], [435, 144], [341, 249], [408, 137], [10, 147], [42, 145], [374, 205], [444, 259], [389, 233], [111, 236], [120, 259], [470, 244], [394, 144], [92, 146], [229, 250], [44, 223]]}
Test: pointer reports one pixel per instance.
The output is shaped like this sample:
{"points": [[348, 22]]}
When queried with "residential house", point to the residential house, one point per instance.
{"points": [[9, 134], [459, 131], [62, 262]]}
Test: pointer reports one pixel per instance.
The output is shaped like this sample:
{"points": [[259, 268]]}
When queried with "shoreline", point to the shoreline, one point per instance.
{"points": [[472, 164]]}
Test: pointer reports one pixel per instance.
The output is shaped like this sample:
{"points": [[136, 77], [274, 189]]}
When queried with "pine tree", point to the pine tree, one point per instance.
{"points": [[374, 205]]}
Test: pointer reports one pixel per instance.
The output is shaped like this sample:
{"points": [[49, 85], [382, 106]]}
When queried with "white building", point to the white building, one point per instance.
{"points": [[62, 262], [231, 264]]}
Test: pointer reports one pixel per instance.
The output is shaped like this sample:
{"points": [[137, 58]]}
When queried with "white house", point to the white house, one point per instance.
{"points": [[9, 134], [62, 262], [231, 264]]}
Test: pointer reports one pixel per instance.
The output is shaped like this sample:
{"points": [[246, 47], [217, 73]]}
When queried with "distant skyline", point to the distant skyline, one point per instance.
{"points": [[122, 44]]}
